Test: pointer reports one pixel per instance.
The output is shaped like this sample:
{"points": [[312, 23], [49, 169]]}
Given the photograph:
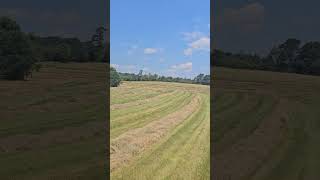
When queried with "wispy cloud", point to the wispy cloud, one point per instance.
{"points": [[190, 36], [115, 66], [129, 68], [125, 68], [197, 41], [146, 69], [181, 67], [150, 50], [201, 44], [188, 51]]}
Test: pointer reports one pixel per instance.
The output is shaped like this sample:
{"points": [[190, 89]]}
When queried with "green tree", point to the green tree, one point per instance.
{"points": [[308, 55], [16, 58], [140, 76], [114, 77], [285, 54], [199, 78], [206, 80], [98, 45], [62, 53]]}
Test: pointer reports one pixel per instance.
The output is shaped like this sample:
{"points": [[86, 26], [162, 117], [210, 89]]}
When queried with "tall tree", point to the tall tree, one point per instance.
{"points": [[16, 58], [199, 78], [140, 75], [285, 54], [308, 55], [206, 80], [98, 45]]}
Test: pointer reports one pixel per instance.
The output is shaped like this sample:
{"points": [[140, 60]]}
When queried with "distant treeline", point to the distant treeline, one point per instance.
{"points": [[116, 79], [68, 49], [20, 52], [290, 56]]}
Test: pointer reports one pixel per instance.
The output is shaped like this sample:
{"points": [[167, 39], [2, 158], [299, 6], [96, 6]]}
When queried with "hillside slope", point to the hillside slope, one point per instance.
{"points": [[265, 125], [53, 125]]}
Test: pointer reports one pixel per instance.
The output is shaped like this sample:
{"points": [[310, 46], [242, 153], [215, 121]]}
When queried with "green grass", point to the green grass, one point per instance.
{"points": [[258, 138], [147, 113], [52, 125], [183, 152]]}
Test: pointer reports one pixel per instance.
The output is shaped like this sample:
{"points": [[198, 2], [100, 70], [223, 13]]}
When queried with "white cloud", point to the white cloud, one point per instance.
{"points": [[197, 41], [150, 50], [181, 67], [146, 69], [202, 43], [125, 68], [129, 67], [190, 36], [115, 66], [188, 51]]}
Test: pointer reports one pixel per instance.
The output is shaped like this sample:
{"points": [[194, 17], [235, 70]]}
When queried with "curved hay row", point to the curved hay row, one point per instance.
{"points": [[144, 104], [182, 119], [141, 115], [141, 101], [284, 142], [242, 150], [251, 135], [134, 141]]}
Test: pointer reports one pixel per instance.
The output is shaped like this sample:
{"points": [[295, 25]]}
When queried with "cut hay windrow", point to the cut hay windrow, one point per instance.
{"points": [[157, 138]]}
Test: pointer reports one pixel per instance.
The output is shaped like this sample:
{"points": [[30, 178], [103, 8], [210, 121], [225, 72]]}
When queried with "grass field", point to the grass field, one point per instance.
{"points": [[53, 125], [266, 125], [160, 131]]}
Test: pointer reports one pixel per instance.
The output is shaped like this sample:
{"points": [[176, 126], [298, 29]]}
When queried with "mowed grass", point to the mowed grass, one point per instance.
{"points": [[163, 134], [265, 125], [52, 126]]}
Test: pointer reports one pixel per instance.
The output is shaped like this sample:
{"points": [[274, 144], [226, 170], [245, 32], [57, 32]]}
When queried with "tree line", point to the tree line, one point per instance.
{"points": [[290, 56], [21, 53], [117, 77]]}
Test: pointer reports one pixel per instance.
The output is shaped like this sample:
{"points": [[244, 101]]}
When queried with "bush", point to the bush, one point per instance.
{"points": [[114, 77]]}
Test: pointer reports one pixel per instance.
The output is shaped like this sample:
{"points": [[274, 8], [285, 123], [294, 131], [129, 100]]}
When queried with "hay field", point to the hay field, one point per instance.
{"points": [[160, 130], [266, 125], [53, 125]]}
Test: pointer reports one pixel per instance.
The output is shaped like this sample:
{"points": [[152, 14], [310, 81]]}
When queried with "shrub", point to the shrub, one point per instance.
{"points": [[114, 77]]}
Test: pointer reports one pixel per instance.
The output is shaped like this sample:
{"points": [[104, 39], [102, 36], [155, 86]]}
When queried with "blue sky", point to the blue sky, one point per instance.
{"points": [[167, 37]]}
